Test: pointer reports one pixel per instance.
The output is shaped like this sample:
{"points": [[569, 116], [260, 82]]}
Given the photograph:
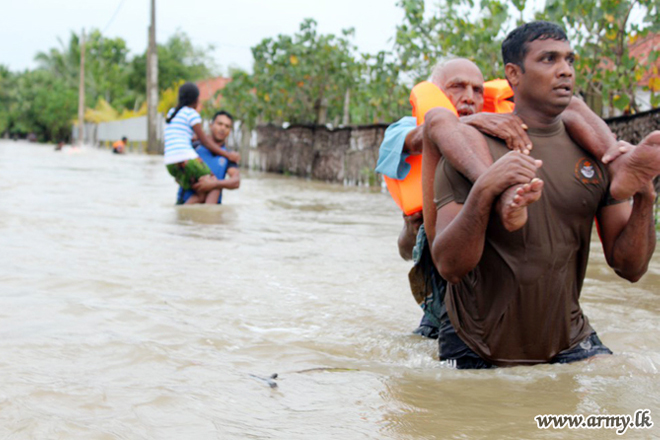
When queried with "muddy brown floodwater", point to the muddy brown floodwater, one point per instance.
{"points": [[125, 317]]}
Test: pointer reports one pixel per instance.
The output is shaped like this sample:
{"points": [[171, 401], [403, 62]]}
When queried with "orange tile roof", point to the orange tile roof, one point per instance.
{"points": [[208, 87]]}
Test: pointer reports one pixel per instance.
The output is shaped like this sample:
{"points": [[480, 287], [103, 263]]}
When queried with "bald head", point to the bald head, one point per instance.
{"points": [[461, 80]]}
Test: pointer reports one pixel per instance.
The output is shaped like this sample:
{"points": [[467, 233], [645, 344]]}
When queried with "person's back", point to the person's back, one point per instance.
{"points": [[178, 135]]}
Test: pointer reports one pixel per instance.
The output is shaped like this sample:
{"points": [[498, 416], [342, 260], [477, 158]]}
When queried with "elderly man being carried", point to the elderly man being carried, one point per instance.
{"points": [[462, 82]]}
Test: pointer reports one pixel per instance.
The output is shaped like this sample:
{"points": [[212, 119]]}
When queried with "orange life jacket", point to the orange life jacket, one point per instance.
{"points": [[407, 193], [497, 96], [119, 146]]}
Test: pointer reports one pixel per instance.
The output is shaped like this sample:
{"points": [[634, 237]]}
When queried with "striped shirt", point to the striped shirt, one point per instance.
{"points": [[178, 136]]}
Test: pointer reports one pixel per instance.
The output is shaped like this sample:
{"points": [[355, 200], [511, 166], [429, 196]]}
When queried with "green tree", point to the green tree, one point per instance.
{"points": [[456, 29], [44, 104], [239, 97], [381, 96], [106, 67], [7, 98], [178, 59], [601, 32], [44, 101], [299, 79], [63, 62]]}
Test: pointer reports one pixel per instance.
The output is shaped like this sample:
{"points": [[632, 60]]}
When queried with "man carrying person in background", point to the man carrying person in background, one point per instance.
{"points": [[225, 171]]}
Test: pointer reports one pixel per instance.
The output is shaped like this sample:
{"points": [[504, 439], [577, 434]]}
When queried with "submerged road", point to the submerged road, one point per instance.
{"points": [[125, 317]]}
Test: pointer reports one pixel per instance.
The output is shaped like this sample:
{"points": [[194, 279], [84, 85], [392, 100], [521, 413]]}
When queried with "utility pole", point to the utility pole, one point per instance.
{"points": [[81, 93], [153, 142]]}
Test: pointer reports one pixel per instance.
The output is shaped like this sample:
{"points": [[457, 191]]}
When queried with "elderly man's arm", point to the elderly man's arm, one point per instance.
{"points": [[461, 142], [464, 147], [506, 126], [461, 228], [404, 138], [585, 127], [589, 131]]}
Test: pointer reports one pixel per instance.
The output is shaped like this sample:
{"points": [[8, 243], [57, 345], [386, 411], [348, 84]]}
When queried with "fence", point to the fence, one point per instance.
{"points": [[347, 154], [633, 128]]}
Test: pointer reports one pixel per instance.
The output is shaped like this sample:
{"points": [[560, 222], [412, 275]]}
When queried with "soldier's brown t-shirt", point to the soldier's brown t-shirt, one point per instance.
{"points": [[520, 303]]}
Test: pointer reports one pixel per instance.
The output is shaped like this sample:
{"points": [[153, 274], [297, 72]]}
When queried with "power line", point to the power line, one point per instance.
{"points": [[113, 17]]}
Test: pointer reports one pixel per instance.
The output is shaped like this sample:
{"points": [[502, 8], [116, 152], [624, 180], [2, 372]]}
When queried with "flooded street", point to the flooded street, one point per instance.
{"points": [[125, 317]]}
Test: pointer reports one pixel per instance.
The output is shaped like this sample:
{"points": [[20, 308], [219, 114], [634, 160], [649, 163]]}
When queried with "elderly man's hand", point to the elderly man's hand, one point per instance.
{"points": [[206, 184], [506, 126]]}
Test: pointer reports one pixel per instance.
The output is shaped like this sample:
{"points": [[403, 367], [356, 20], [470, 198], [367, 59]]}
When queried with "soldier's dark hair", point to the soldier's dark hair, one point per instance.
{"points": [[514, 47]]}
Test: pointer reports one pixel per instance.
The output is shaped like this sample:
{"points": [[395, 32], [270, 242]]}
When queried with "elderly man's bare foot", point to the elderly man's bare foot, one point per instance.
{"points": [[633, 170], [513, 203]]}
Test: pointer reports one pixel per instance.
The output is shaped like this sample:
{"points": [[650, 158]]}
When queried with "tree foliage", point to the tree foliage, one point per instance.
{"points": [[300, 79], [7, 98], [454, 29], [381, 94], [316, 78], [601, 32], [239, 97], [43, 104], [311, 77], [45, 101], [178, 60], [106, 66]]}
